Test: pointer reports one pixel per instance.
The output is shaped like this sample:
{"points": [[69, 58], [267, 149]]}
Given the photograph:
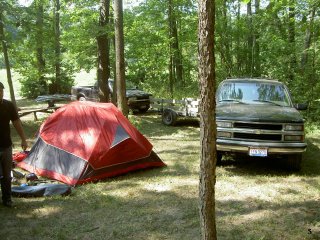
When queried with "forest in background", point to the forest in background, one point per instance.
{"points": [[49, 41]]}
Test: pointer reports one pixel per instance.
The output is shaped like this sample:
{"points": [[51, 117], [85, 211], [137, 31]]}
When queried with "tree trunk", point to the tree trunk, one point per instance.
{"points": [[6, 57], [172, 75], [103, 73], [57, 47], [308, 37], [120, 67], [39, 48], [250, 40], [227, 40], [238, 49], [175, 53], [257, 63], [292, 41], [207, 119]]}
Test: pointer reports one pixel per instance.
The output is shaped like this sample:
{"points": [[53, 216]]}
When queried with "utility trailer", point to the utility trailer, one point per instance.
{"points": [[172, 109]]}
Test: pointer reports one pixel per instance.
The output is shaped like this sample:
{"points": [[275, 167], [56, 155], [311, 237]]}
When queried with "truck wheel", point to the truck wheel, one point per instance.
{"points": [[294, 161], [144, 110], [219, 159], [82, 98], [169, 117]]}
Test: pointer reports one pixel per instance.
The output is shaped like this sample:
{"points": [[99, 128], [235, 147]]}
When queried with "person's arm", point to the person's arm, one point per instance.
{"points": [[18, 126]]}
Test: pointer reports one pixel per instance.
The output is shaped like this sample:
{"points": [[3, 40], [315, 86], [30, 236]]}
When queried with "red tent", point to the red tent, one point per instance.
{"points": [[87, 141]]}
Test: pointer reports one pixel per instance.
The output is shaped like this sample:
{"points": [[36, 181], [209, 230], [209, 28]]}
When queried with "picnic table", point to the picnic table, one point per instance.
{"points": [[50, 99]]}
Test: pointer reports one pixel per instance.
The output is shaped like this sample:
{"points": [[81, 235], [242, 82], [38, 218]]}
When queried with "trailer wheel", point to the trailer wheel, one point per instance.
{"points": [[169, 117]]}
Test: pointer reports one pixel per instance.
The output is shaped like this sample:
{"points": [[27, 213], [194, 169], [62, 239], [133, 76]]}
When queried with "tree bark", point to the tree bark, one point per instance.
{"points": [[250, 40], [57, 48], [120, 67], [308, 37], [238, 42], [207, 119], [103, 73], [257, 62], [292, 41], [6, 56], [39, 47], [175, 53]]}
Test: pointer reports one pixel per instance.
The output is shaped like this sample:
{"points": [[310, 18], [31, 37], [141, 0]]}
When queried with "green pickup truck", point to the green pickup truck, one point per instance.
{"points": [[257, 117]]}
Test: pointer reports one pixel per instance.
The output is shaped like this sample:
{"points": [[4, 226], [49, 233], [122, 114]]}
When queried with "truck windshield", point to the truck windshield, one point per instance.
{"points": [[129, 85], [254, 92]]}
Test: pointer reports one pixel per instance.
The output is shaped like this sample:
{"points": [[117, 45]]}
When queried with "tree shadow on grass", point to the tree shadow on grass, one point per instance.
{"points": [[270, 166], [126, 211]]}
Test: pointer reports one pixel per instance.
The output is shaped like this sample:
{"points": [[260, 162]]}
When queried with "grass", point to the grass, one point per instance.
{"points": [[255, 199]]}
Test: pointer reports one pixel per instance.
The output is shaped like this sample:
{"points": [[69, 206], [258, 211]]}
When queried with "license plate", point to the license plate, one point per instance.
{"points": [[258, 152]]}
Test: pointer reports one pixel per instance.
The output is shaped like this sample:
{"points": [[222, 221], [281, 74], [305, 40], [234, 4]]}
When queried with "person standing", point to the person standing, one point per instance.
{"points": [[8, 113]]}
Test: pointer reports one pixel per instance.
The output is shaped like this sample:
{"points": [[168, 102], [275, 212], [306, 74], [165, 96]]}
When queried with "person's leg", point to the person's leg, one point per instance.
{"points": [[6, 163]]}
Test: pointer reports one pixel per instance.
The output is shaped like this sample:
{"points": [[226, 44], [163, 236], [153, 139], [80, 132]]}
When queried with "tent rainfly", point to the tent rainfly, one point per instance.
{"points": [[86, 141]]}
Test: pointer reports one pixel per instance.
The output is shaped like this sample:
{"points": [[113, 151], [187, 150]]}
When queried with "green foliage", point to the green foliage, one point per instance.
{"points": [[147, 44], [147, 47]]}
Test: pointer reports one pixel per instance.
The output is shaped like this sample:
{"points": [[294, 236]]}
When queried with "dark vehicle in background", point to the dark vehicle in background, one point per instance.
{"points": [[137, 100], [257, 117]]}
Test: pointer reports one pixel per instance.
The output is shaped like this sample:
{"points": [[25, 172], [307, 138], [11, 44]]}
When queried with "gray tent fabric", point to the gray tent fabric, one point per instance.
{"points": [[41, 190], [120, 136]]}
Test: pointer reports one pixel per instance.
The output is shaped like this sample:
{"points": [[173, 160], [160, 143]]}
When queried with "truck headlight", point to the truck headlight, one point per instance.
{"points": [[132, 99], [292, 127], [296, 138], [224, 124]]}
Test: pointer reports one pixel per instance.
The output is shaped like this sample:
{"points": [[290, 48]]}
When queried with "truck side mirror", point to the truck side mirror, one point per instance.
{"points": [[301, 106]]}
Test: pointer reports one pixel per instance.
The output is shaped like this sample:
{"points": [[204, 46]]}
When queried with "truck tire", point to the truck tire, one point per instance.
{"points": [[82, 98], [144, 110], [294, 161], [219, 159], [169, 117]]}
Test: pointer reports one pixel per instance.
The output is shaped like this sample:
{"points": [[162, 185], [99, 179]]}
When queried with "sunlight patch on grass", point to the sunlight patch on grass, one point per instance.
{"points": [[158, 187]]}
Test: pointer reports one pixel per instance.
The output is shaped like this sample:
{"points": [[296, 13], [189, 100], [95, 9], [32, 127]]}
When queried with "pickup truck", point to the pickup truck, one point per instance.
{"points": [[257, 117], [137, 100], [254, 117]]}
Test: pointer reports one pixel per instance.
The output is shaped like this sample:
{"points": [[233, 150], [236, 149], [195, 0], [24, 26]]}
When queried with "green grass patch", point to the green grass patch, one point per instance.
{"points": [[255, 198]]}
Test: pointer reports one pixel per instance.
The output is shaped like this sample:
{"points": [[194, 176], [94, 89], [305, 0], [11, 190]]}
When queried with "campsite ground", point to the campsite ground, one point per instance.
{"points": [[255, 199]]}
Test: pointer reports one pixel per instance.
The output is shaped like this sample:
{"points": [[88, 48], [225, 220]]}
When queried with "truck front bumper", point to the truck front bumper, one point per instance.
{"points": [[280, 148]]}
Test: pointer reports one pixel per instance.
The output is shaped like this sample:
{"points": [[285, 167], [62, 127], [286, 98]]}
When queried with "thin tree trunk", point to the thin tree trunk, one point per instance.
{"points": [[6, 57], [257, 63], [207, 119], [171, 50], [175, 52], [57, 82], [250, 40], [292, 41], [227, 39], [120, 67], [103, 52], [238, 49], [39, 47], [308, 37]]}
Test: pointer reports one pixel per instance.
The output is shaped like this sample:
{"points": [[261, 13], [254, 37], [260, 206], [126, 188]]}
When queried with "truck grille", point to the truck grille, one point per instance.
{"points": [[244, 131], [258, 126], [142, 97], [267, 137]]}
